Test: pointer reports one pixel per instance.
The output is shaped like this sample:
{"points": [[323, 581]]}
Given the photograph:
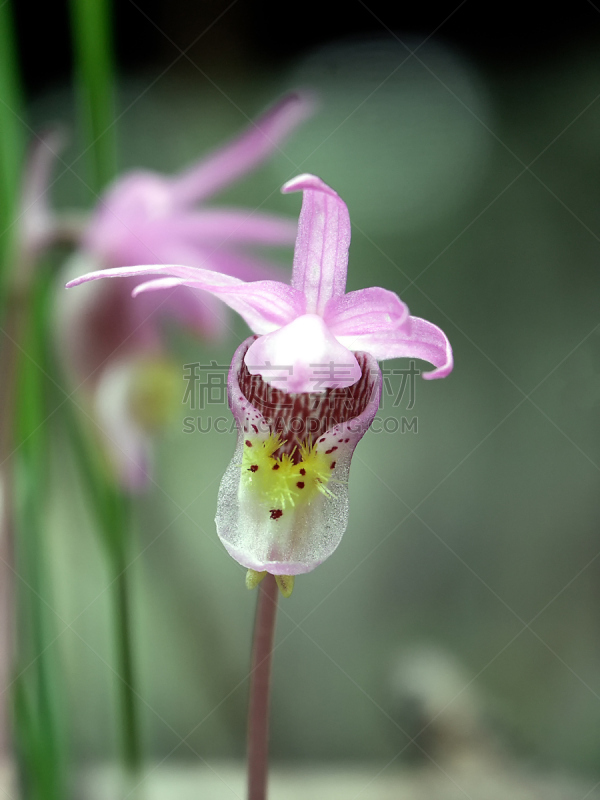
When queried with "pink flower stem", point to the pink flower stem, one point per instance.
{"points": [[260, 685]]}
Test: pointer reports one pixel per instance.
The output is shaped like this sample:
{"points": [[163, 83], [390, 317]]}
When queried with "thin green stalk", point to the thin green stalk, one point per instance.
{"points": [[38, 705], [94, 60], [22, 471], [11, 143], [131, 741], [115, 525], [112, 509]]}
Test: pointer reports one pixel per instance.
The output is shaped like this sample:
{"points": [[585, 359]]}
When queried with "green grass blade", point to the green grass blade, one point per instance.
{"points": [[12, 139], [94, 59]]}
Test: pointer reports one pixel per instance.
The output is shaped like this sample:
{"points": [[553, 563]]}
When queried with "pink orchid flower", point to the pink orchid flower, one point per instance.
{"points": [[114, 346], [304, 391]]}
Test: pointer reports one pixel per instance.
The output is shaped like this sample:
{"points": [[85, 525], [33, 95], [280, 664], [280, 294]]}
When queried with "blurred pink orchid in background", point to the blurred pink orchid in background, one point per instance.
{"points": [[39, 226], [113, 346], [304, 391]]}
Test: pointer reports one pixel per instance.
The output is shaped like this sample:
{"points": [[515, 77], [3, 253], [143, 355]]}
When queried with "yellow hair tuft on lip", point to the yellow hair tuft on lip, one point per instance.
{"points": [[283, 483]]}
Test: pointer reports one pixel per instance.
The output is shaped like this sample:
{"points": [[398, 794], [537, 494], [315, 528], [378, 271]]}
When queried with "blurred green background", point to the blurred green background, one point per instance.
{"points": [[472, 184]]}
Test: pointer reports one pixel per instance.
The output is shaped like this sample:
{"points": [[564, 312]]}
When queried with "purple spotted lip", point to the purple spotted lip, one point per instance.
{"points": [[293, 540]]}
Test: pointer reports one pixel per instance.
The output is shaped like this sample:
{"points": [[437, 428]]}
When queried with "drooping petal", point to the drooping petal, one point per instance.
{"points": [[175, 270], [262, 138], [264, 305], [130, 208], [223, 228], [226, 259], [321, 254], [164, 241], [303, 356], [421, 340], [283, 502], [365, 311]]}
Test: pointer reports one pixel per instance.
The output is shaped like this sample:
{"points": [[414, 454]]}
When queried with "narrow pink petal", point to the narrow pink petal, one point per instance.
{"points": [[156, 285], [423, 340], [321, 255], [173, 270], [215, 280], [228, 260], [297, 538], [303, 356], [164, 241], [243, 154], [153, 247], [220, 228], [366, 311], [132, 206], [264, 305]]}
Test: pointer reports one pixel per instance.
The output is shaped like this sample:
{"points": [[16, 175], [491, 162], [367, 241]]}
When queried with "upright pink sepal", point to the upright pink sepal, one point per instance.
{"points": [[321, 254]]}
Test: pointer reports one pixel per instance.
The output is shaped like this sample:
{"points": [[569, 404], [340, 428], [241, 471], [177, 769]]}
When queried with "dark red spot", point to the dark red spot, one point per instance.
{"points": [[256, 429], [346, 440], [300, 484], [276, 466], [253, 468], [331, 449], [322, 440], [276, 513], [332, 465], [302, 471], [248, 443], [339, 440]]}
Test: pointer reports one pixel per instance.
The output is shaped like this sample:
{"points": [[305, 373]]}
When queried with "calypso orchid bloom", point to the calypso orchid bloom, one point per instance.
{"points": [[304, 391], [114, 346]]}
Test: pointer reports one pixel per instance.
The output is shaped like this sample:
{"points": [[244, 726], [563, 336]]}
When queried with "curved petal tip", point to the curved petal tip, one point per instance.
{"points": [[435, 348], [306, 181]]}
